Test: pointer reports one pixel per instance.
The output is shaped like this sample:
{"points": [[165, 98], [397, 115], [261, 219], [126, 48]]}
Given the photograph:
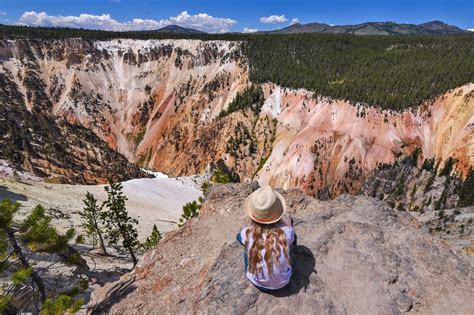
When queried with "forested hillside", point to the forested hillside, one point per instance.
{"points": [[390, 72], [393, 72]]}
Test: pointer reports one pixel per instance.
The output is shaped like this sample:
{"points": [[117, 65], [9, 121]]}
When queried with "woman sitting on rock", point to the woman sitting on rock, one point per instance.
{"points": [[268, 240]]}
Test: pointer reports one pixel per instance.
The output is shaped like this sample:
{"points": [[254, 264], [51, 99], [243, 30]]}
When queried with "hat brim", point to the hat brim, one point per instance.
{"points": [[248, 210]]}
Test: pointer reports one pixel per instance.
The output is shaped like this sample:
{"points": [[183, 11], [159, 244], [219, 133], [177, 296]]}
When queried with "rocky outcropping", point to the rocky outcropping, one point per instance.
{"points": [[354, 256]]}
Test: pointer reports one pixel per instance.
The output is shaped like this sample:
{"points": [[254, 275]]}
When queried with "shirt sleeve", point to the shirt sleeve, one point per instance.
{"points": [[289, 233]]}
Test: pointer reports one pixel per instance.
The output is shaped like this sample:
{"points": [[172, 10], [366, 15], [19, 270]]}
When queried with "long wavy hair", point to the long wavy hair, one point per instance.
{"points": [[268, 237]]}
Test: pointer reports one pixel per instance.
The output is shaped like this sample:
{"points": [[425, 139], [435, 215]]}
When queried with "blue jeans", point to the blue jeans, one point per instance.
{"points": [[246, 259]]}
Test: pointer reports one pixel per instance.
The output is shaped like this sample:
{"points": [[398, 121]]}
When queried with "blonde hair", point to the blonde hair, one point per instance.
{"points": [[268, 237]]}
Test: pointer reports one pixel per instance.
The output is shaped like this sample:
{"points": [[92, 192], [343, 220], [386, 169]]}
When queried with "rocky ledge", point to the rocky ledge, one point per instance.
{"points": [[355, 255]]}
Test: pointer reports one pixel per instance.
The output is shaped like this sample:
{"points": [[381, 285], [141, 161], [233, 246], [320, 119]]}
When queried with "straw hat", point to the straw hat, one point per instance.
{"points": [[265, 205]]}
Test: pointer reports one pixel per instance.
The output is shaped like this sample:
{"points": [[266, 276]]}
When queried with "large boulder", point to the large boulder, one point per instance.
{"points": [[354, 255]]}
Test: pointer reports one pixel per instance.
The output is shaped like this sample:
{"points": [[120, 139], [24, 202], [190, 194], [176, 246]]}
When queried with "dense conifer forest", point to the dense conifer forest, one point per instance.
{"points": [[392, 72]]}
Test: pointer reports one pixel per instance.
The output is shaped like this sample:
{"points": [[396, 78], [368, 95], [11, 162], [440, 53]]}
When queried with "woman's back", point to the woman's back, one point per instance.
{"points": [[268, 240], [272, 268]]}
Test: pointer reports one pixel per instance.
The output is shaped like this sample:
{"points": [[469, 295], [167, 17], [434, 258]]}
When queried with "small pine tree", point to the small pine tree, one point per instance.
{"points": [[466, 190], [220, 177], [414, 156], [91, 216], [448, 167], [118, 224], [428, 165], [153, 239], [190, 210], [430, 183], [19, 239], [4, 304], [147, 89], [63, 304]]}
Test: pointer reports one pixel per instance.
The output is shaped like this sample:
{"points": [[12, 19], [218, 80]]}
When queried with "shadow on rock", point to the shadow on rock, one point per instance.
{"points": [[303, 266], [6, 194], [104, 276], [117, 293]]}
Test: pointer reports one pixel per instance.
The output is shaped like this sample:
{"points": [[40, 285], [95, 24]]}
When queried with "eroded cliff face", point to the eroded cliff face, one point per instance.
{"points": [[33, 140], [329, 146], [158, 103]]}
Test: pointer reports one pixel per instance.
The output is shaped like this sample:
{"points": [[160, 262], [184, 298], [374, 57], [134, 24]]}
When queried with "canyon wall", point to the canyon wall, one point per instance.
{"points": [[322, 143], [158, 103]]}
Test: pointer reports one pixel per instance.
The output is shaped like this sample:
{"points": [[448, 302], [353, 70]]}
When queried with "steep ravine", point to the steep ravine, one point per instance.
{"points": [[158, 102]]}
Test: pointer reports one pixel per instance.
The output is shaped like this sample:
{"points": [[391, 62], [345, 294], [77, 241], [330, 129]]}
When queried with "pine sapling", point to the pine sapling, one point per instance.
{"points": [[153, 239], [91, 216], [18, 240], [118, 224]]}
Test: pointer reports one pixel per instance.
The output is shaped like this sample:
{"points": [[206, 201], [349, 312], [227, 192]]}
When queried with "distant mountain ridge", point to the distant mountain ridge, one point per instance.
{"points": [[176, 29], [373, 28]]}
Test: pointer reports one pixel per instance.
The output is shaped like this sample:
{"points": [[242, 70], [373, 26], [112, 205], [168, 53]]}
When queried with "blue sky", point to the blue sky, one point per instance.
{"points": [[230, 15]]}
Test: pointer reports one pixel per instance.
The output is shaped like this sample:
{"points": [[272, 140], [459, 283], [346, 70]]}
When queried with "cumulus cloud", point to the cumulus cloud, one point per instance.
{"points": [[249, 30], [294, 21], [272, 19], [470, 29], [201, 21]]}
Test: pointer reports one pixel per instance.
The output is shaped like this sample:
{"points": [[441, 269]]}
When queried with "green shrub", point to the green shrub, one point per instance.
{"points": [[4, 303], [190, 210], [21, 276], [153, 239], [220, 177], [139, 137], [63, 304]]}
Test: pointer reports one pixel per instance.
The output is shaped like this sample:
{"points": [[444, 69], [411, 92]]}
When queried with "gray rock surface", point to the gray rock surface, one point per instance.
{"points": [[405, 187], [354, 256]]}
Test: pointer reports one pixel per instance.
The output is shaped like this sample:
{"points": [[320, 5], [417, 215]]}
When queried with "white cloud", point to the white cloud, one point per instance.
{"points": [[272, 19], [249, 30], [294, 21], [470, 29], [200, 21], [3, 13]]}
